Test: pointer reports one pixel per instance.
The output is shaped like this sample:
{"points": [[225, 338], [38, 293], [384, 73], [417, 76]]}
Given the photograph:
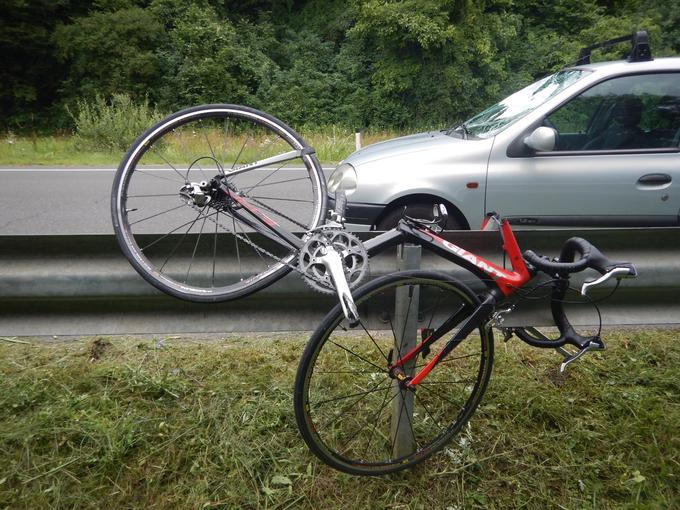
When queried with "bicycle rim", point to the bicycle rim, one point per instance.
{"points": [[202, 251], [353, 414]]}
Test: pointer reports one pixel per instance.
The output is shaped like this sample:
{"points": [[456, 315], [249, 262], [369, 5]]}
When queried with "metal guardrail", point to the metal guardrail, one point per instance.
{"points": [[82, 285]]}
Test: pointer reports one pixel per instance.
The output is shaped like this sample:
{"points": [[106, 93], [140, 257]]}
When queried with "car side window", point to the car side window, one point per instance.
{"points": [[631, 112]]}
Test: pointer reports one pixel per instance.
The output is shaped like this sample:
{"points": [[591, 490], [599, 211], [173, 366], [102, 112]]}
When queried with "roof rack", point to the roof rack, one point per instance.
{"points": [[640, 50]]}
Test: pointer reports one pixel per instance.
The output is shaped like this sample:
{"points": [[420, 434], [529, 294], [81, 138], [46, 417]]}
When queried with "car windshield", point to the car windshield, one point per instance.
{"points": [[499, 116]]}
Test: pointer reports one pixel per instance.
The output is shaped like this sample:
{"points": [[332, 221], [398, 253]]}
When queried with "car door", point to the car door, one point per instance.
{"points": [[615, 162]]}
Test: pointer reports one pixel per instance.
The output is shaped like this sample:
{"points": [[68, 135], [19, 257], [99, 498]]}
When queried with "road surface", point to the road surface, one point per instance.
{"points": [[57, 201]]}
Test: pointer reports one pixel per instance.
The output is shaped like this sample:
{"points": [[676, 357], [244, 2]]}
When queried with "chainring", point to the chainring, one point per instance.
{"points": [[352, 252]]}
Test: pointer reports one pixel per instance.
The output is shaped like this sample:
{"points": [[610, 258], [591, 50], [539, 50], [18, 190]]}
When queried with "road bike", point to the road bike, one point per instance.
{"points": [[398, 366], [389, 391]]}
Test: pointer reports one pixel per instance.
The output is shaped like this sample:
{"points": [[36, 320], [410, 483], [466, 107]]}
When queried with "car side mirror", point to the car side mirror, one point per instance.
{"points": [[541, 139]]}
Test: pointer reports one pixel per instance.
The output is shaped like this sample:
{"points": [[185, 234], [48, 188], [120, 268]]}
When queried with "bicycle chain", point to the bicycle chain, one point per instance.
{"points": [[247, 241], [271, 209]]}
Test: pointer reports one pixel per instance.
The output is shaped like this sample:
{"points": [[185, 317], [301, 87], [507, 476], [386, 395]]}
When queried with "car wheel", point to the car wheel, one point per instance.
{"points": [[414, 210]]}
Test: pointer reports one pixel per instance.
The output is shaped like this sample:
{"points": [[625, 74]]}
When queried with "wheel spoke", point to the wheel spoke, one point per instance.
{"points": [[157, 152], [156, 241], [240, 152], [165, 195], [380, 369], [283, 199], [350, 395], [429, 413], [352, 404], [238, 253], [439, 394], [373, 340], [212, 153], [181, 240], [369, 421], [264, 178], [288, 181], [214, 261], [158, 214], [376, 417], [193, 255], [404, 412]]}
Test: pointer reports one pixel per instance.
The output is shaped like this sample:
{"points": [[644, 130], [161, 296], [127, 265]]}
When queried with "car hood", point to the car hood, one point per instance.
{"points": [[405, 144]]}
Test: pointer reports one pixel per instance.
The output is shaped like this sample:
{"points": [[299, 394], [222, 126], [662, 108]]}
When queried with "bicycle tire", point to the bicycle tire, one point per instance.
{"points": [[343, 390], [197, 252]]}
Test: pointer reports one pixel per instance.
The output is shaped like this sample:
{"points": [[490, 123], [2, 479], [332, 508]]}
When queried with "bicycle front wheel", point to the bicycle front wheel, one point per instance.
{"points": [[353, 413], [181, 234]]}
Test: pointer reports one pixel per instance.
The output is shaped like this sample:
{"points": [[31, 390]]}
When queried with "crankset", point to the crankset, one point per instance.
{"points": [[352, 254]]}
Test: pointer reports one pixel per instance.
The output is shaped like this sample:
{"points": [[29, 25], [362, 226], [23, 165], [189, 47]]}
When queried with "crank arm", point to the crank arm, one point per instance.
{"points": [[331, 259]]}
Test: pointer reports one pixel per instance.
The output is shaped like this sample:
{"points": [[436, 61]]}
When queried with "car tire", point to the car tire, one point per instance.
{"points": [[414, 210]]}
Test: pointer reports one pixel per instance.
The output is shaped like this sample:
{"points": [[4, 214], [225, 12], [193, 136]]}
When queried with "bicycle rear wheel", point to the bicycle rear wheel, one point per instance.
{"points": [[181, 234], [352, 413]]}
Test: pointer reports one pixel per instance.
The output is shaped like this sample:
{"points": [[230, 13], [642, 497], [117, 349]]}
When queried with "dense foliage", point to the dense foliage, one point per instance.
{"points": [[379, 63]]}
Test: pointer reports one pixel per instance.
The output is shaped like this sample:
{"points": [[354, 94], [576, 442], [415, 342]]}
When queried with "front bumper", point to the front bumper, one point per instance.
{"points": [[358, 213]]}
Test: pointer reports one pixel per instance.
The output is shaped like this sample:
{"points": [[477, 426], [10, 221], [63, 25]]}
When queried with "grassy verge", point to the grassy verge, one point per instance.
{"points": [[113, 423], [52, 150], [332, 146]]}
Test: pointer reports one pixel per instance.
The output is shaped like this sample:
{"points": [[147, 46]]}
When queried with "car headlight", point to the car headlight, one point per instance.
{"points": [[343, 178]]}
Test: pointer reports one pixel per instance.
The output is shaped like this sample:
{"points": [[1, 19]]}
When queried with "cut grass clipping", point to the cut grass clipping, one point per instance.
{"points": [[170, 423]]}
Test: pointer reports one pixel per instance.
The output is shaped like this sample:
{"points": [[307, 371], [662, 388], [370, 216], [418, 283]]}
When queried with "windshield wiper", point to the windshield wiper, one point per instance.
{"points": [[459, 129]]}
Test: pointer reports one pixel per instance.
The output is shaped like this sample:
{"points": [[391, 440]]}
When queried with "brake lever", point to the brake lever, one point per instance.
{"points": [[595, 345], [618, 272]]}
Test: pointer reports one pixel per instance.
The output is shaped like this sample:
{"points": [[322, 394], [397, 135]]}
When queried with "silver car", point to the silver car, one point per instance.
{"points": [[591, 145]]}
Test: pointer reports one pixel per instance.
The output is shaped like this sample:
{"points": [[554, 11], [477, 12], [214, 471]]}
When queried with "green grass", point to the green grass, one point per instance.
{"points": [[332, 145], [121, 423], [52, 150]]}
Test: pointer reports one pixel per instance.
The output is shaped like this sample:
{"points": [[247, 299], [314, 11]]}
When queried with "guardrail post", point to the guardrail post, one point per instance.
{"points": [[406, 331]]}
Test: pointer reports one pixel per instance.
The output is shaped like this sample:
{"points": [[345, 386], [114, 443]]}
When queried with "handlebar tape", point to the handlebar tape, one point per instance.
{"points": [[589, 257], [565, 264]]}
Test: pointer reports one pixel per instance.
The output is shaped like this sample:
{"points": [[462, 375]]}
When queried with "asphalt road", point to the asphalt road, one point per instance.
{"points": [[57, 201]]}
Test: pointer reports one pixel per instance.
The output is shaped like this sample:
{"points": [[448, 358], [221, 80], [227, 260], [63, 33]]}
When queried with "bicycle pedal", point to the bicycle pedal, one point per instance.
{"points": [[507, 334]]}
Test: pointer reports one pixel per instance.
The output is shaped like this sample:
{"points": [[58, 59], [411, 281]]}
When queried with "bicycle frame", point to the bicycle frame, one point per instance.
{"points": [[499, 281], [496, 278]]}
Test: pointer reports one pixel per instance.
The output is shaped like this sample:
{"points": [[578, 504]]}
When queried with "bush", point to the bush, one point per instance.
{"points": [[111, 125]]}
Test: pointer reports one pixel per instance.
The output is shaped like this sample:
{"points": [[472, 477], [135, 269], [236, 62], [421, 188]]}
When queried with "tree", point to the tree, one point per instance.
{"points": [[109, 52], [30, 73], [209, 59]]}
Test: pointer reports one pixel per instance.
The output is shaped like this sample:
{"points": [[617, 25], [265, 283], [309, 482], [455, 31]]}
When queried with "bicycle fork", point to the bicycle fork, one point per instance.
{"points": [[479, 317]]}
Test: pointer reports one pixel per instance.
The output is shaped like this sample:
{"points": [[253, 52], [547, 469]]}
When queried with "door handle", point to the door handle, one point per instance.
{"points": [[654, 179]]}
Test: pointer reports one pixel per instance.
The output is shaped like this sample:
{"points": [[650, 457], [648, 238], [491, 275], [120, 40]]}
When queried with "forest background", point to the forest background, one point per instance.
{"points": [[379, 64]]}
